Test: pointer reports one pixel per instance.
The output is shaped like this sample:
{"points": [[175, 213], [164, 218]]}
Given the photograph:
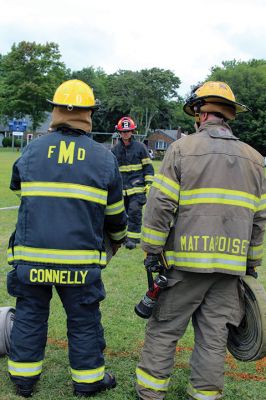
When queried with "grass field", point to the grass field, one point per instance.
{"points": [[125, 283]]}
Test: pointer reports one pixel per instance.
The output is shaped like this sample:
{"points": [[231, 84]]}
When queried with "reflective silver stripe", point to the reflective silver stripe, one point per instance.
{"points": [[53, 189], [218, 196], [167, 186], [262, 203], [129, 168], [118, 235], [134, 235], [206, 260], [153, 237], [255, 252], [57, 256], [204, 394], [26, 369], [116, 208], [149, 381], [88, 376], [146, 161], [139, 189]]}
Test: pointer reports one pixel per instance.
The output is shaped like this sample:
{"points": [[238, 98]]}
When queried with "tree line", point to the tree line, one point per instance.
{"points": [[30, 73]]}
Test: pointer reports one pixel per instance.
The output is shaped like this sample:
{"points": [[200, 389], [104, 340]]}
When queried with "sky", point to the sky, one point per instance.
{"points": [[189, 37]]}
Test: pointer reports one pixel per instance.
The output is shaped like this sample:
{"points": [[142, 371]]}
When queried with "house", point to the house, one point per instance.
{"points": [[160, 139]]}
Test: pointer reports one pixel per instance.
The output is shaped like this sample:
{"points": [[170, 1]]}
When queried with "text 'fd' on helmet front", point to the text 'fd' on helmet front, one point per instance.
{"points": [[214, 96]]}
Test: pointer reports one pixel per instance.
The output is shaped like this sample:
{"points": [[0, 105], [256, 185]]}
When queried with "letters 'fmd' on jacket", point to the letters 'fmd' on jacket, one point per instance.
{"points": [[70, 190], [207, 205]]}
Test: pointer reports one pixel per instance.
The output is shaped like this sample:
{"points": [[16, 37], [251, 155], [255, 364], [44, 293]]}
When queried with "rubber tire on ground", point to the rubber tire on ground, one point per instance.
{"points": [[248, 341], [7, 315]]}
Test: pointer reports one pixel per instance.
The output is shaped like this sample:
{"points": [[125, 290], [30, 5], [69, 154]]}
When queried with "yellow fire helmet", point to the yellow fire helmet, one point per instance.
{"points": [[74, 94], [214, 97]]}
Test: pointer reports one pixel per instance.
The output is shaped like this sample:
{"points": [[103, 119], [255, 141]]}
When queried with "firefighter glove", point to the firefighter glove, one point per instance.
{"points": [[152, 263], [252, 272]]}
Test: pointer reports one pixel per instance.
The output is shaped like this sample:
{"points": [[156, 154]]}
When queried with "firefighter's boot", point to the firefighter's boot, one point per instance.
{"points": [[24, 390], [90, 389]]}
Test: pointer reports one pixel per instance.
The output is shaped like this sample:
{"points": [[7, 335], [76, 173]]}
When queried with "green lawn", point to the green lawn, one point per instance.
{"points": [[125, 282]]}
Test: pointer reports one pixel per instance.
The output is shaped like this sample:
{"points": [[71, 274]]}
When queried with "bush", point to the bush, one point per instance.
{"points": [[7, 142]]}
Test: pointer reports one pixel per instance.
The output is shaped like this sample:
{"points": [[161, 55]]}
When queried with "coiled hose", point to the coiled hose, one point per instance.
{"points": [[7, 315], [248, 341]]}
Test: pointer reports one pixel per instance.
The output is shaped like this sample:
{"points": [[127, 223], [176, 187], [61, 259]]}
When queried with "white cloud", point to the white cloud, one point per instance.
{"points": [[188, 37]]}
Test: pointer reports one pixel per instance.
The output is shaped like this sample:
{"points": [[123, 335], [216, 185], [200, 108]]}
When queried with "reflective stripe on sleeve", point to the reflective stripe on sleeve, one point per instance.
{"points": [[134, 235], [65, 190], [262, 203], [115, 208], [117, 235], [146, 161], [255, 252], [219, 196], [149, 178], [25, 369], [152, 236], [204, 394], [150, 382], [167, 186], [206, 260], [88, 375], [55, 256], [134, 190], [129, 168]]}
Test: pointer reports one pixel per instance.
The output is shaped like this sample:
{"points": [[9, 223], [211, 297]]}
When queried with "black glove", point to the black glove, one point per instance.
{"points": [[252, 272], [152, 263]]}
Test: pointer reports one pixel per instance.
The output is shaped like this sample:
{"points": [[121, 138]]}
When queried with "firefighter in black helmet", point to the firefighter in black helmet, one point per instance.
{"points": [[71, 191], [137, 173]]}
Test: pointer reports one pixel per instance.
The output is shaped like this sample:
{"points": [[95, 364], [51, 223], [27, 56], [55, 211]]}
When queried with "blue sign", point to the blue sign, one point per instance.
{"points": [[17, 125]]}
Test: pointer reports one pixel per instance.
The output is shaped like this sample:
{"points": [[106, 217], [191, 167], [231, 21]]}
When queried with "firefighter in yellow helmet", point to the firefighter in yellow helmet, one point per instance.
{"points": [[206, 211], [71, 190]]}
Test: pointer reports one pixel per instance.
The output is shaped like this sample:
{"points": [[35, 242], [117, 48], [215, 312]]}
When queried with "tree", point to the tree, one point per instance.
{"points": [[97, 80], [248, 82], [29, 74], [141, 94]]}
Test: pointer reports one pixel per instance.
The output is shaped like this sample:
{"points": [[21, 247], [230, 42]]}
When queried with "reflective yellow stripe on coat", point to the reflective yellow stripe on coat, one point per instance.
{"points": [[88, 376], [150, 382], [167, 186], [55, 256], [255, 252], [206, 260], [117, 235], [131, 167], [219, 196], [262, 203], [152, 236], [26, 369], [65, 190]]}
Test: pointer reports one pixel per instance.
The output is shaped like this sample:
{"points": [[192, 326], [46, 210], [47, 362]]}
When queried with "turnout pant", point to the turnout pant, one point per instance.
{"points": [[213, 301], [133, 206], [29, 333]]}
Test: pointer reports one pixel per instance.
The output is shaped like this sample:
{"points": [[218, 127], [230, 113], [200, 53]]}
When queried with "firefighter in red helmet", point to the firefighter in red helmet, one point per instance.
{"points": [[137, 173]]}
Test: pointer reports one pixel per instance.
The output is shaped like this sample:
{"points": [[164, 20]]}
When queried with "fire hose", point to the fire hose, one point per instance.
{"points": [[6, 322], [248, 341]]}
